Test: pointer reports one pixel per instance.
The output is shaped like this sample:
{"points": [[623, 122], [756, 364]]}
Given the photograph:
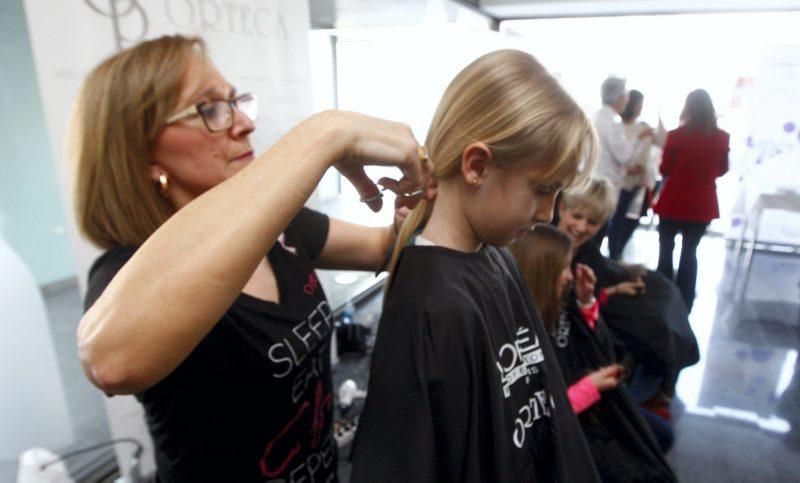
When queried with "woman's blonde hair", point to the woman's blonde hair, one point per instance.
{"points": [[542, 254], [508, 101], [597, 197], [122, 108]]}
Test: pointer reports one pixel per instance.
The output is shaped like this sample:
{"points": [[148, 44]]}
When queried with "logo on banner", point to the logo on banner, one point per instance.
{"points": [[226, 17], [127, 13]]}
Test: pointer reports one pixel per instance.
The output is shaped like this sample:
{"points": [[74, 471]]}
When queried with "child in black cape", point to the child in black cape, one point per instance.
{"points": [[464, 384], [643, 309], [621, 441]]}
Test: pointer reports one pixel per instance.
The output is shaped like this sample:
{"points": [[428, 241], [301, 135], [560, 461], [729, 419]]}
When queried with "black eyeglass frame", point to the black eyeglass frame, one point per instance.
{"points": [[196, 110]]}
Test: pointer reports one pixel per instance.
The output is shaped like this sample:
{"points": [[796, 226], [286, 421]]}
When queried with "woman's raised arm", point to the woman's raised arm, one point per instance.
{"points": [[180, 282]]}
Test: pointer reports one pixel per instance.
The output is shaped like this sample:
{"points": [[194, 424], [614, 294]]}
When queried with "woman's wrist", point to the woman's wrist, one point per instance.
{"points": [[333, 138], [390, 236]]}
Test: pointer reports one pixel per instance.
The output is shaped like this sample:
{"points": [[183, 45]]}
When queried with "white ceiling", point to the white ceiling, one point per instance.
{"points": [[370, 13], [508, 9]]}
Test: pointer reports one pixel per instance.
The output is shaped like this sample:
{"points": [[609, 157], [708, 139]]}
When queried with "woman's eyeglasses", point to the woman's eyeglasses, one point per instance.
{"points": [[218, 115]]}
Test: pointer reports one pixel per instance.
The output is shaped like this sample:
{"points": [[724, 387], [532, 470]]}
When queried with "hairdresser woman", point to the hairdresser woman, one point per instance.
{"points": [[205, 304]]}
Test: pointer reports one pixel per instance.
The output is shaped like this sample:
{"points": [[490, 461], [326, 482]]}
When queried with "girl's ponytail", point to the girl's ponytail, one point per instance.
{"points": [[417, 219]]}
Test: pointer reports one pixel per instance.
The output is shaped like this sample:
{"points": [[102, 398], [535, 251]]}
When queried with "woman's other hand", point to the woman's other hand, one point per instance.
{"points": [[585, 281], [607, 378], [372, 141]]}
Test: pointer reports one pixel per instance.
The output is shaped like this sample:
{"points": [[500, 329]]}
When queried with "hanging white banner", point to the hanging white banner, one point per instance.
{"points": [[260, 46]]}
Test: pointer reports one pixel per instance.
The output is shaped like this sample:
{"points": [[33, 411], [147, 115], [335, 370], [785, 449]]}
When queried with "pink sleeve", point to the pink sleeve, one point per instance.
{"points": [[582, 395], [591, 313], [603, 297]]}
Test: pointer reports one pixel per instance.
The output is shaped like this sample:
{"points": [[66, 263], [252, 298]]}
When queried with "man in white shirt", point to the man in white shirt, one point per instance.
{"points": [[616, 151]]}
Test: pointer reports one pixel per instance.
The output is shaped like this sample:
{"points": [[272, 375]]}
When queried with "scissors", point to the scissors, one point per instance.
{"points": [[379, 195], [422, 152]]}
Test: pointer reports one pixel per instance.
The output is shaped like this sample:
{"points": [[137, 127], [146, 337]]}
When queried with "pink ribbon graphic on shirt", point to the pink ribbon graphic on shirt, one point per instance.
{"points": [[318, 428]]}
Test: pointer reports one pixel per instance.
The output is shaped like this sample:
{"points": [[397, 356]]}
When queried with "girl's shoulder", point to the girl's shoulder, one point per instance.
{"points": [[438, 281], [424, 262], [430, 272]]}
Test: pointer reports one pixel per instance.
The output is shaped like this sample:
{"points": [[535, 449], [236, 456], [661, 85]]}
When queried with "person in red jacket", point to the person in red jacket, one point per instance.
{"points": [[695, 155]]}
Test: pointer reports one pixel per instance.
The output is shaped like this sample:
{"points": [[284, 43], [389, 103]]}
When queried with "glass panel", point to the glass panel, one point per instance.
{"points": [[666, 57], [41, 290]]}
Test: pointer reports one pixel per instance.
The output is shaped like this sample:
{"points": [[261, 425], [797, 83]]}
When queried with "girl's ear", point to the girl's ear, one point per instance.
{"points": [[474, 162]]}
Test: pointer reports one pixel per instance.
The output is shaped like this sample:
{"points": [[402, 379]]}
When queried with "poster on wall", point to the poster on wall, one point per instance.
{"points": [[260, 46], [773, 143], [775, 124]]}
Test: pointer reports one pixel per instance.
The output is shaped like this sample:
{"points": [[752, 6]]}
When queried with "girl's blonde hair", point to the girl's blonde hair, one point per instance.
{"points": [[508, 101], [122, 108], [597, 196], [542, 254]]}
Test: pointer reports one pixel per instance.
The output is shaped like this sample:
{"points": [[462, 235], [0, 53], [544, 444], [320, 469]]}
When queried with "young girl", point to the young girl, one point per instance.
{"points": [[464, 385], [621, 442]]}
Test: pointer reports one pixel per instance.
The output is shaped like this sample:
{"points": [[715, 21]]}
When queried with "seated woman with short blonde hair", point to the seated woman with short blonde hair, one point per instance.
{"points": [[651, 322]]}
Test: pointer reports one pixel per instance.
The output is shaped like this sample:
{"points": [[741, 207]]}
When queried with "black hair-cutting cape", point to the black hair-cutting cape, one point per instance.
{"points": [[621, 442], [464, 384], [654, 326]]}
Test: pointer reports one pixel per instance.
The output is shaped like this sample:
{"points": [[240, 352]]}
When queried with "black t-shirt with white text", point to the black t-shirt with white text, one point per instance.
{"points": [[464, 384], [253, 401]]}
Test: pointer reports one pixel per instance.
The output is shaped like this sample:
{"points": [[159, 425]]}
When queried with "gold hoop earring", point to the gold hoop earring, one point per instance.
{"points": [[163, 183]]}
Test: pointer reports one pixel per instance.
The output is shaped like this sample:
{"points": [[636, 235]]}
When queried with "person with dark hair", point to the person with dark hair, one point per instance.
{"points": [[617, 153], [622, 442], [637, 185], [695, 155]]}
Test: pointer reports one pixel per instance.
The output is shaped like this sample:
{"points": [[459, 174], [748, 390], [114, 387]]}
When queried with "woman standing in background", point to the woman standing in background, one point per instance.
{"points": [[695, 155], [639, 182]]}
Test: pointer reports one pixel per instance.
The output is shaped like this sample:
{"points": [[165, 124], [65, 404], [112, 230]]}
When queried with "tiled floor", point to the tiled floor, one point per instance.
{"points": [[737, 412], [738, 409]]}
